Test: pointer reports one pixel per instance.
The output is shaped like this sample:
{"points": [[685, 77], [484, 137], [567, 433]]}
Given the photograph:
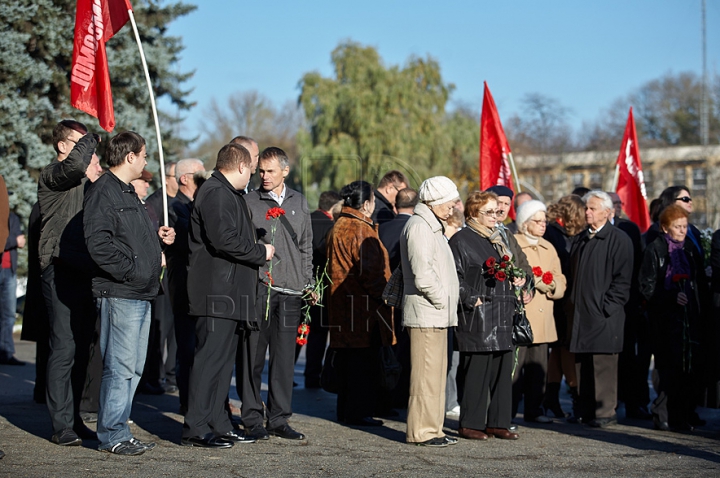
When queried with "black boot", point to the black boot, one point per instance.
{"points": [[551, 401], [575, 418]]}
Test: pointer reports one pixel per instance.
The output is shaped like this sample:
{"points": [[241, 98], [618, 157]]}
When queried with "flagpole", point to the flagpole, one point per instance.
{"points": [[514, 172], [616, 178], [155, 116]]}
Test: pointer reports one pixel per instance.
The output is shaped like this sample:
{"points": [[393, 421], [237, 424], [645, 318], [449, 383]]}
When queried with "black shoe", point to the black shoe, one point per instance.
{"points": [[84, 432], [637, 413], [127, 448], [663, 426], [150, 389], [284, 431], [389, 413], [88, 417], [364, 422], [66, 437], [207, 441], [147, 446], [2, 454], [513, 427], [238, 437], [312, 382], [695, 420], [257, 432], [434, 442], [682, 427], [12, 361], [450, 440], [603, 422], [169, 388]]}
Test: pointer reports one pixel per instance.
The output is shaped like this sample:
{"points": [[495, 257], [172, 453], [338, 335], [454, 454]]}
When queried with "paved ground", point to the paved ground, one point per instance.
{"points": [[632, 448]]}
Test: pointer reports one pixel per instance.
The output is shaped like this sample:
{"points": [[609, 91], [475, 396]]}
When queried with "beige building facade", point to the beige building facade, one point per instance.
{"points": [[549, 177]]}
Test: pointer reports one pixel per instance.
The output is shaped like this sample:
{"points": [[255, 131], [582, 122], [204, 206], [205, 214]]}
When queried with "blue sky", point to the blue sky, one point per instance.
{"points": [[583, 53]]}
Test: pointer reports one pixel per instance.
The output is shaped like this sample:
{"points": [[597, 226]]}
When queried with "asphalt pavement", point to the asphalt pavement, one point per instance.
{"points": [[560, 449]]}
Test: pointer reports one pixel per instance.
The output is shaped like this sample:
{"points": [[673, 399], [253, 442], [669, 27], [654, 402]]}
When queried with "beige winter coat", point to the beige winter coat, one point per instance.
{"points": [[431, 283], [540, 309]]}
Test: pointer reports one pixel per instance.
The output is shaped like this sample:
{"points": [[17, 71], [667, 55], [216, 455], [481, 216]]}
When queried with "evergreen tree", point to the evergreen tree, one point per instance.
{"points": [[36, 39]]}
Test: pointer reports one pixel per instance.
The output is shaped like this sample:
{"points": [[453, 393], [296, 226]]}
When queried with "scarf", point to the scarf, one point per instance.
{"points": [[678, 263], [532, 240], [492, 235]]}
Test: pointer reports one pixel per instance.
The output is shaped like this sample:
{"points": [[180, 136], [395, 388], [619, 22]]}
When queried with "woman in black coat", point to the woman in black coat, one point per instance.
{"points": [[485, 321], [669, 282]]}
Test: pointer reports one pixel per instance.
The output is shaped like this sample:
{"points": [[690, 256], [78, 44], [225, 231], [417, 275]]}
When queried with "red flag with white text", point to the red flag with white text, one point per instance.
{"points": [[494, 148], [96, 21], [631, 183]]}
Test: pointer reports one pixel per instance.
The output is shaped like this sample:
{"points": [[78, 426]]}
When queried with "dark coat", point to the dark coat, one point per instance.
{"points": [[488, 327], [36, 326], [601, 271], [558, 236], [384, 209], [359, 270], [11, 245], [224, 254], [121, 240], [177, 254], [664, 314], [389, 233], [154, 205], [61, 189], [321, 225]]}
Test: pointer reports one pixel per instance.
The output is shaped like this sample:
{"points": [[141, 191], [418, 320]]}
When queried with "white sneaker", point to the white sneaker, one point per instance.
{"points": [[454, 413]]}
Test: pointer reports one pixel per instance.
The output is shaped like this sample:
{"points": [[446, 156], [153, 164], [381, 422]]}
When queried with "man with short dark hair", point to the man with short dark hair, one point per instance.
{"points": [[279, 300], [322, 221], [385, 194], [222, 287], [123, 244], [252, 147], [66, 277], [389, 232], [601, 263]]}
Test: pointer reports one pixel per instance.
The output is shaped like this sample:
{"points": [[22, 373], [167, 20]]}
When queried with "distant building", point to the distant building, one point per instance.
{"points": [[551, 176]]}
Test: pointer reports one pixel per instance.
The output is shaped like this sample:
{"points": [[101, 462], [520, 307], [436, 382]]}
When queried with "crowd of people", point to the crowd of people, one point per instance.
{"points": [[119, 301]]}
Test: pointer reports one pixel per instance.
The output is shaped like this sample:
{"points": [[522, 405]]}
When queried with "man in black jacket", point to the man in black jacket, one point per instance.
{"points": [[222, 285], [122, 241], [601, 266], [66, 276], [385, 194]]}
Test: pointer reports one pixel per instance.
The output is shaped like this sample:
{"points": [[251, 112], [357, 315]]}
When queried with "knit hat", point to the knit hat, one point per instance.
{"points": [[438, 190], [527, 210], [501, 191]]}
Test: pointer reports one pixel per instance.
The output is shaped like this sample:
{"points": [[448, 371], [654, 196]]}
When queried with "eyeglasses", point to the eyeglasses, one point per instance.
{"points": [[490, 213], [539, 222], [684, 199]]}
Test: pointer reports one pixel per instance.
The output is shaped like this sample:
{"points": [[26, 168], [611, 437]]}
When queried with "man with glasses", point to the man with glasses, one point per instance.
{"points": [[385, 195], [66, 277]]}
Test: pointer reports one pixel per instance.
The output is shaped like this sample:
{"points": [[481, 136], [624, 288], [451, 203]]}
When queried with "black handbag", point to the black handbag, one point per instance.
{"points": [[390, 368], [329, 377], [393, 293], [522, 333]]}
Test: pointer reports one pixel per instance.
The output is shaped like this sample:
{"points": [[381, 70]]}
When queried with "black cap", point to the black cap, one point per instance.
{"points": [[501, 191]]}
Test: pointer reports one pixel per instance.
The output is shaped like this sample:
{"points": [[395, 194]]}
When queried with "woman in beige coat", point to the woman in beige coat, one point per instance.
{"points": [[531, 369], [431, 291]]}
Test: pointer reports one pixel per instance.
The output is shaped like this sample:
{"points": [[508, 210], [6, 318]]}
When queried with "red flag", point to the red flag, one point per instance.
{"points": [[494, 148], [631, 183], [96, 21]]}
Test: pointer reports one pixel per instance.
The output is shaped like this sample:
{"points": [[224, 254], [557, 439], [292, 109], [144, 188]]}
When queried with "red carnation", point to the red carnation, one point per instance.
{"points": [[490, 263], [679, 277], [547, 278], [537, 271], [501, 276], [300, 341], [274, 213], [303, 329], [506, 258]]}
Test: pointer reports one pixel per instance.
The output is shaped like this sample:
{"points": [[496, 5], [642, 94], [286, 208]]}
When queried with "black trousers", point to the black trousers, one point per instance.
{"points": [[597, 385], [677, 396], [210, 377], [72, 315], [91, 392], [359, 383], [634, 363], [278, 333], [317, 342], [185, 337], [529, 380], [487, 389]]}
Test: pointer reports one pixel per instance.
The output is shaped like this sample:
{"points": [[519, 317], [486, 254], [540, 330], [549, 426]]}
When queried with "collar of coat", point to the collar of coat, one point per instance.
{"points": [[524, 243], [355, 214], [428, 216], [221, 177], [265, 195], [603, 233]]}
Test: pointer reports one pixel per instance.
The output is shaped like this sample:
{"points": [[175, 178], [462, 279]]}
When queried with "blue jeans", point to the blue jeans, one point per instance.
{"points": [[8, 305], [124, 329]]}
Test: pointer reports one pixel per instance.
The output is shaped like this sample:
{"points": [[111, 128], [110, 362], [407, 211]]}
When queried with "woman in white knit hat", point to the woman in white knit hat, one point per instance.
{"points": [[429, 308], [531, 369]]}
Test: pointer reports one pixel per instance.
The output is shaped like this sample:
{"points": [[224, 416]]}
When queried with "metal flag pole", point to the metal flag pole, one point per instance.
{"points": [[155, 116], [514, 172], [616, 178]]}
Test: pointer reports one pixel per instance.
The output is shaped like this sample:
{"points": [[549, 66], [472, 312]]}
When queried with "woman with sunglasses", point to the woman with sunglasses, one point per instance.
{"points": [[679, 195], [485, 320]]}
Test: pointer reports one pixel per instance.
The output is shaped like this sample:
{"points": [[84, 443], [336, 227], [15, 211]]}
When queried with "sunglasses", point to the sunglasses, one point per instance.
{"points": [[684, 199]]}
